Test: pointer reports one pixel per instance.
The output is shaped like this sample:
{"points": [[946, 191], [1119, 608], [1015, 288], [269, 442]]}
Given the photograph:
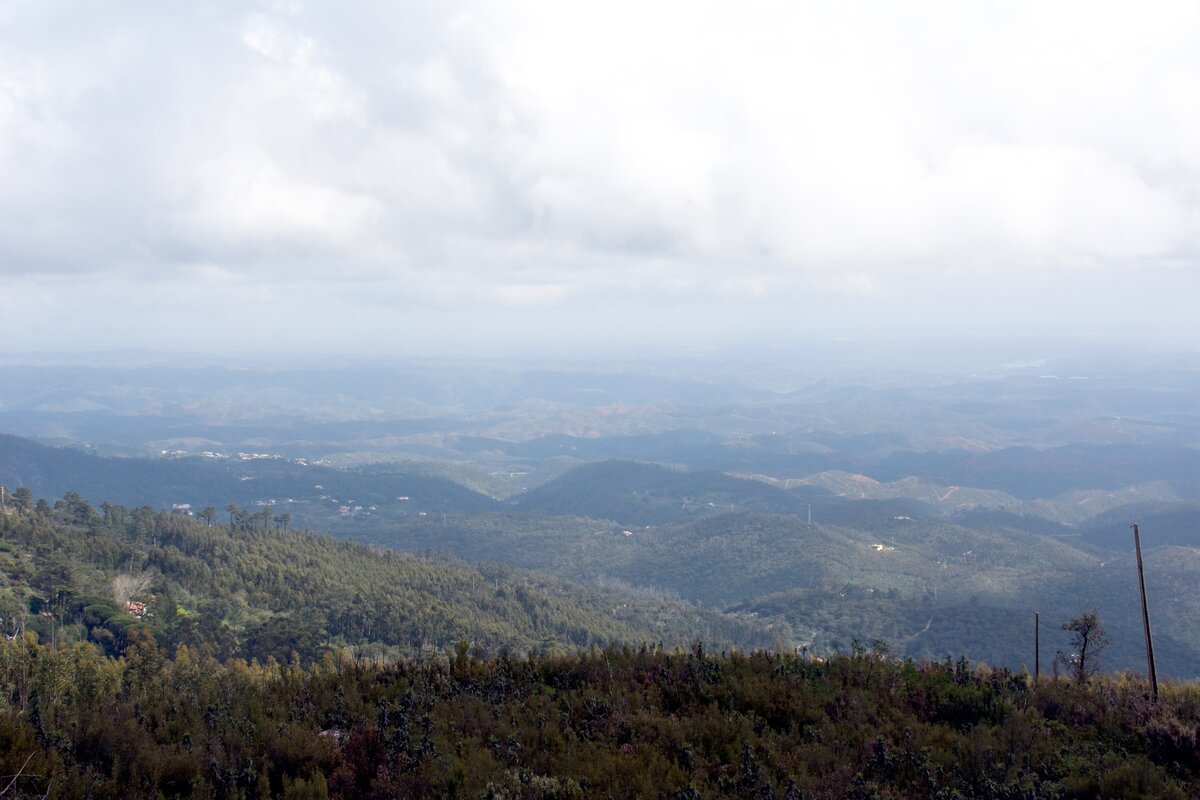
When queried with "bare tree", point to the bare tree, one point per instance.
{"points": [[126, 587], [1088, 640]]}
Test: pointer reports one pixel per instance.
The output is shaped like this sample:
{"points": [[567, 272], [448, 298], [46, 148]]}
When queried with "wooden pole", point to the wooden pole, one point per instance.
{"points": [[1137, 546], [1037, 648]]}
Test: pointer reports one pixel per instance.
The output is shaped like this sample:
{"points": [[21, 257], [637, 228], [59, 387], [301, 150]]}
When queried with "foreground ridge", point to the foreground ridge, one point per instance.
{"points": [[616, 722]]}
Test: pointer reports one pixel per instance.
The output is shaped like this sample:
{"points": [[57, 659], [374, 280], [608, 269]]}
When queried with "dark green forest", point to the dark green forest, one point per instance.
{"points": [[251, 589], [885, 576]]}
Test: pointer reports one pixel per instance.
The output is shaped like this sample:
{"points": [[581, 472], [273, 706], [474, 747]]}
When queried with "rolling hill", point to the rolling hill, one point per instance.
{"points": [[633, 493], [200, 481], [255, 591]]}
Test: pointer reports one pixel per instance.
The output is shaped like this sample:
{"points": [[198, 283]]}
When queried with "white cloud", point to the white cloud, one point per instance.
{"points": [[475, 158]]}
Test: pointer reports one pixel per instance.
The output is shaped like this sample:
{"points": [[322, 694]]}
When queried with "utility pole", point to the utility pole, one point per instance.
{"points": [[1037, 649], [1137, 546]]}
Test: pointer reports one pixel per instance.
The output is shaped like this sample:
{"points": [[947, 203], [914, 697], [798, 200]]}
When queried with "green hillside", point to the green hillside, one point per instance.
{"points": [[928, 580], [634, 493], [885, 576], [255, 590]]}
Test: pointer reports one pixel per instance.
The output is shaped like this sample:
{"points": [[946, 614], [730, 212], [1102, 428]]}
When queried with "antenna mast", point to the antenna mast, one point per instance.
{"points": [[1137, 546]]}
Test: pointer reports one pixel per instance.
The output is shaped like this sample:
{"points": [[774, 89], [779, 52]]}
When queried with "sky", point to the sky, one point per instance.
{"points": [[408, 177]]}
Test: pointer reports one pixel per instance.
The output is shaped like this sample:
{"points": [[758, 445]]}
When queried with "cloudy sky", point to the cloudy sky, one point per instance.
{"points": [[418, 177]]}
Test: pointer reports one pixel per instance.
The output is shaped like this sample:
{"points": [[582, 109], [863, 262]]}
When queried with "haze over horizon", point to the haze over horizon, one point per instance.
{"points": [[488, 177]]}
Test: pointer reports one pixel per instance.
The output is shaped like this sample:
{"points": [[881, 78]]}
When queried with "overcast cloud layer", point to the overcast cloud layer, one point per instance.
{"points": [[379, 176]]}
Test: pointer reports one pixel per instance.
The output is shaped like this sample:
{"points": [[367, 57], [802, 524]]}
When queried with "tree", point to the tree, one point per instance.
{"points": [[263, 517], [208, 514], [23, 499], [1088, 640], [77, 509], [126, 587], [13, 614]]}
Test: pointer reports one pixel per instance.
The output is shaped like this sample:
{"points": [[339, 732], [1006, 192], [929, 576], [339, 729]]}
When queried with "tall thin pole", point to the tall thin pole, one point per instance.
{"points": [[1137, 546], [1037, 648]]}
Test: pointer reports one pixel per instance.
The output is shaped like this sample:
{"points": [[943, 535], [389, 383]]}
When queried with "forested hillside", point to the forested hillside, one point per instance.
{"points": [[648, 494], [928, 586], [940, 571], [110, 575]]}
